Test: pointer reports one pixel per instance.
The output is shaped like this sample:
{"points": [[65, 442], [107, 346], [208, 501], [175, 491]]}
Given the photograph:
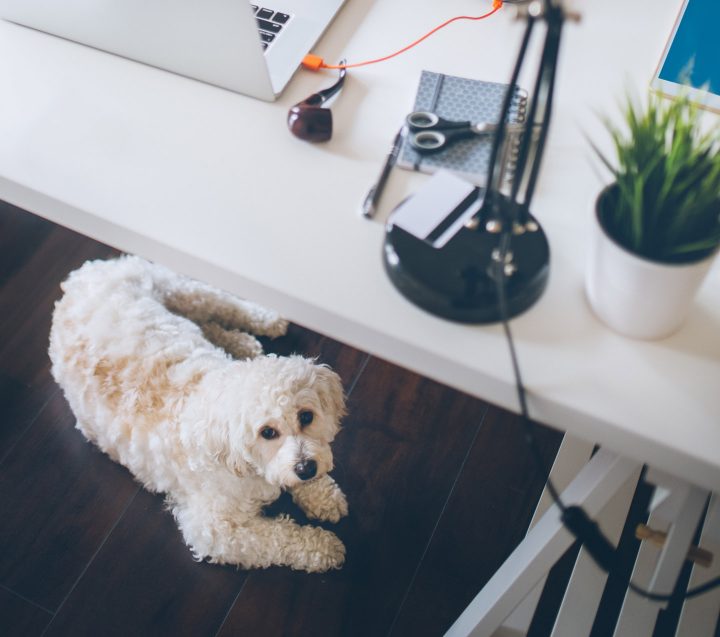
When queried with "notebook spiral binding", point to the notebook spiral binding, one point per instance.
{"points": [[512, 147]]}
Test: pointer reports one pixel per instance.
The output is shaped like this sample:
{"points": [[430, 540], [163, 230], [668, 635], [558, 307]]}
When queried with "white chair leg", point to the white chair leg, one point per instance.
{"points": [[699, 616], [594, 486], [677, 514], [587, 582], [678, 542], [572, 456]]}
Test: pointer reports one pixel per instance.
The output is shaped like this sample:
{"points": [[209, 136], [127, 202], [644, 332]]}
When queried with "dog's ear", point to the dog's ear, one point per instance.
{"points": [[330, 392]]}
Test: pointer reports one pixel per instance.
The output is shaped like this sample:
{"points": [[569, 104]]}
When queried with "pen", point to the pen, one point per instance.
{"points": [[371, 200]]}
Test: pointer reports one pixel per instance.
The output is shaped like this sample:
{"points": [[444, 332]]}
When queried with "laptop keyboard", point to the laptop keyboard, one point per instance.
{"points": [[270, 23]]}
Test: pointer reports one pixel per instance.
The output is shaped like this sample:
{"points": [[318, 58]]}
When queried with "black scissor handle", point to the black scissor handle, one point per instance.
{"points": [[424, 120], [433, 141], [428, 141]]}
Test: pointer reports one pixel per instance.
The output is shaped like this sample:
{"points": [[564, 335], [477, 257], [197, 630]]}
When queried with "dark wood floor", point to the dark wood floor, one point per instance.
{"points": [[441, 488]]}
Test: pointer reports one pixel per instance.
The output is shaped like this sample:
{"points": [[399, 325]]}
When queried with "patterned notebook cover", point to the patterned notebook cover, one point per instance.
{"points": [[457, 98]]}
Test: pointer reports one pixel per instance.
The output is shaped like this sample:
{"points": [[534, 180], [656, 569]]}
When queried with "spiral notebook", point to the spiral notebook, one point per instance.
{"points": [[458, 98]]}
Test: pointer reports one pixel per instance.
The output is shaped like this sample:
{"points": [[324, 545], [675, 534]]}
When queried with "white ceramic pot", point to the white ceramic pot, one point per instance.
{"points": [[635, 296]]}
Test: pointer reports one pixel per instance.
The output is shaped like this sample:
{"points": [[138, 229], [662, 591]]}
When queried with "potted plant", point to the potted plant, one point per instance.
{"points": [[658, 222]]}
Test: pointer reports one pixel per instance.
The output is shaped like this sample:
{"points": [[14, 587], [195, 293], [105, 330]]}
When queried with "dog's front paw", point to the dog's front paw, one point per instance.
{"points": [[331, 509], [326, 552], [321, 499]]}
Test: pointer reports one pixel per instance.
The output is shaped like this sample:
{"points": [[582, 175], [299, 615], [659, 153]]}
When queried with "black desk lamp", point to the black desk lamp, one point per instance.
{"points": [[460, 280]]}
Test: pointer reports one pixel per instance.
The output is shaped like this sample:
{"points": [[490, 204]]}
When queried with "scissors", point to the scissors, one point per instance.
{"points": [[430, 133]]}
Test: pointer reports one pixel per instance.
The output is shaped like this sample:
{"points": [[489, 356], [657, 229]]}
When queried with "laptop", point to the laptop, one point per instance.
{"points": [[251, 48]]}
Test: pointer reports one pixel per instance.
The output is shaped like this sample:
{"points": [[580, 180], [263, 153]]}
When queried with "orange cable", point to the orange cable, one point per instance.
{"points": [[314, 62]]}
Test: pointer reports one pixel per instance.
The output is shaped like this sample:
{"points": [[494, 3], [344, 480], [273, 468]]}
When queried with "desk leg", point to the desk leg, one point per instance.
{"points": [[543, 546], [676, 509], [587, 582], [700, 615], [572, 456]]}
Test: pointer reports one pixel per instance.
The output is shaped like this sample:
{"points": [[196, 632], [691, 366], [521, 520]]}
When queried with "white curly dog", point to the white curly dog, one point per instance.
{"points": [[142, 356]]}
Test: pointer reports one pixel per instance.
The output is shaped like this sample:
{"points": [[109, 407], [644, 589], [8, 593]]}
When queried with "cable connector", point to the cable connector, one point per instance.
{"points": [[588, 532], [313, 62]]}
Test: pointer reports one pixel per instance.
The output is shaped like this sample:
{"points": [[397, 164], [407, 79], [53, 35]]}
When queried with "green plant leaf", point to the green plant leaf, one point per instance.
{"points": [[667, 174]]}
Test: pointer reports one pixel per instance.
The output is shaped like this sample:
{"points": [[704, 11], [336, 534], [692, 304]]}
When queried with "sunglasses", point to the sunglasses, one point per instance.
{"points": [[309, 120]]}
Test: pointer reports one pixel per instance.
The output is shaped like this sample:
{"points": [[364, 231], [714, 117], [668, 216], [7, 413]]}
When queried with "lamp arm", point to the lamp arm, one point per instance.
{"points": [[511, 210], [535, 135], [494, 176]]}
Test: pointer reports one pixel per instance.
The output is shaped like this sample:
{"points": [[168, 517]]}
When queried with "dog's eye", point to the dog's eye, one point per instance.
{"points": [[305, 418], [269, 433]]}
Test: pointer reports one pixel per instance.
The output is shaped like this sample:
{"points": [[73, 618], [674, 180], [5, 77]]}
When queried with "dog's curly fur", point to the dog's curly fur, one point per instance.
{"points": [[142, 356]]}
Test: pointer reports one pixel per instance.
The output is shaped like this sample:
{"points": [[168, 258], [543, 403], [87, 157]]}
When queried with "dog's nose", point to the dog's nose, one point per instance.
{"points": [[306, 469]]}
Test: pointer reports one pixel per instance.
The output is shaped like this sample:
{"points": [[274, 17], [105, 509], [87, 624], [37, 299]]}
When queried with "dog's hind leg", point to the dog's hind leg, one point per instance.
{"points": [[240, 345], [203, 304]]}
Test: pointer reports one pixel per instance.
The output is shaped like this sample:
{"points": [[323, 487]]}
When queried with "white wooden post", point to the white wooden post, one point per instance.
{"points": [[700, 615], [676, 510], [587, 582], [570, 459]]}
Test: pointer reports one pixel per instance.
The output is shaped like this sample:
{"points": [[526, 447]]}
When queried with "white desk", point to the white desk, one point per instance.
{"points": [[212, 184]]}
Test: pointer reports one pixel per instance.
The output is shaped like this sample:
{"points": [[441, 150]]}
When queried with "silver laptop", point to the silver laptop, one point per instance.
{"points": [[252, 48]]}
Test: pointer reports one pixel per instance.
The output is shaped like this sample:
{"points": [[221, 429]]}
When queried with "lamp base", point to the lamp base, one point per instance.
{"points": [[458, 281]]}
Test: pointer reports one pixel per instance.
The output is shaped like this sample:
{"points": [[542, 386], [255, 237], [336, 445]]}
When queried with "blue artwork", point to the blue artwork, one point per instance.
{"points": [[695, 47]]}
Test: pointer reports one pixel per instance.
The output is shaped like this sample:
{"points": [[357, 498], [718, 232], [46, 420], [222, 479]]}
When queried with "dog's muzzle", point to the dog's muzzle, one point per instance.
{"points": [[306, 469]]}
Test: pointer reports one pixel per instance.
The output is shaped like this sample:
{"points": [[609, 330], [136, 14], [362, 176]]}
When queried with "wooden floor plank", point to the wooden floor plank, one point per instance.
{"points": [[34, 291], [486, 517], [144, 581], [397, 458], [20, 235], [27, 296], [20, 618], [20, 403], [60, 497]]}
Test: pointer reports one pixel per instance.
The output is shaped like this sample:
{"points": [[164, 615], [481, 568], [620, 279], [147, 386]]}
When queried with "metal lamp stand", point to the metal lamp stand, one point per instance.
{"points": [[503, 240]]}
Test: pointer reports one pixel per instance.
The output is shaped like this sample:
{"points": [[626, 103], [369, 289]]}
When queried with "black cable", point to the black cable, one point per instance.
{"points": [[519, 386], [573, 517]]}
